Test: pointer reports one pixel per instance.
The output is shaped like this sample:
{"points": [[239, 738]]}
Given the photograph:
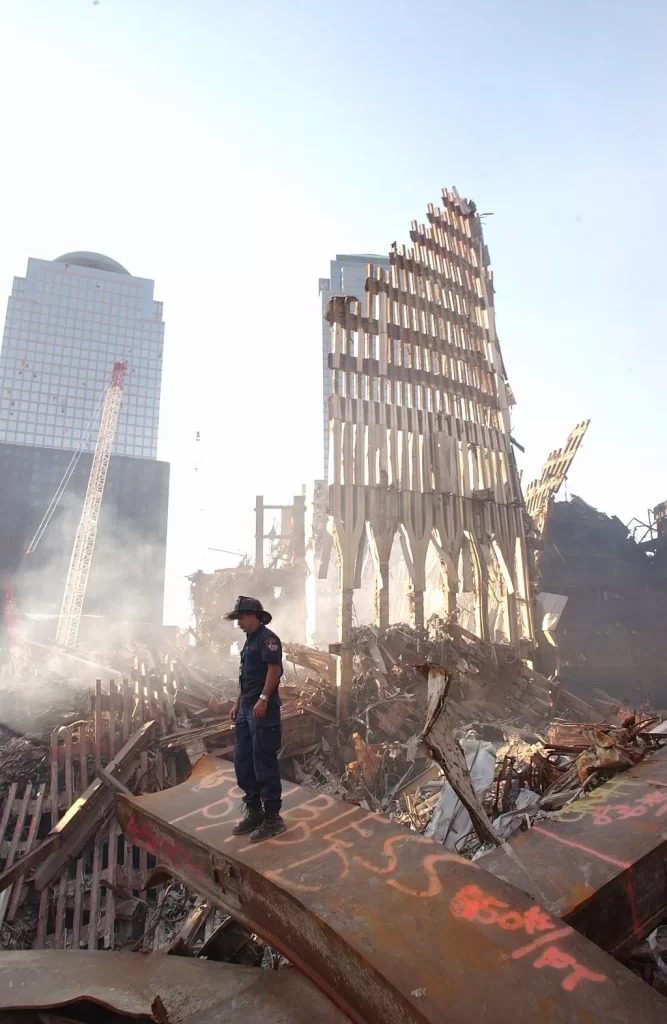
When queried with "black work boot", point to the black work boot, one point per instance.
{"points": [[253, 818], [272, 825]]}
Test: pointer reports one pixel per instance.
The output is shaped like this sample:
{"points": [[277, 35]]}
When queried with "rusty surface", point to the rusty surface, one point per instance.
{"points": [[599, 863], [443, 747], [189, 989], [388, 924], [84, 817]]}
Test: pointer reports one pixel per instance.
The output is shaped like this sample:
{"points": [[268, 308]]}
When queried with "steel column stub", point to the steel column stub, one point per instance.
{"points": [[388, 924]]}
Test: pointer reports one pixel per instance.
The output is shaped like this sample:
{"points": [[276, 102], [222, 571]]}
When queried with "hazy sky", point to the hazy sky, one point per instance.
{"points": [[229, 150]]}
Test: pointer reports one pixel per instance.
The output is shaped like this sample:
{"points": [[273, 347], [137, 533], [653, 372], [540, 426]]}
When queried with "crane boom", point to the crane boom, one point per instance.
{"points": [[84, 542]]}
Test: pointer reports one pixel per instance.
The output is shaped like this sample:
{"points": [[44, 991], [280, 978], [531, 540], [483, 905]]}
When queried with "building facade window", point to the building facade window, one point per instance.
{"points": [[66, 325]]}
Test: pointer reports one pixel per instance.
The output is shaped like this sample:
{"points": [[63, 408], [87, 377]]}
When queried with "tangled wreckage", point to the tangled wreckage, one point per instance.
{"points": [[466, 800]]}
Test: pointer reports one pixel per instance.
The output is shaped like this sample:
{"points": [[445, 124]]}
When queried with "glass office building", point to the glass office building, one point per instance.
{"points": [[68, 321]]}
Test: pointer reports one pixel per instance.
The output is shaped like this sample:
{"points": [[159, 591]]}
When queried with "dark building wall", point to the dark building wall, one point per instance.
{"points": [[127, 574], [613, 632]]}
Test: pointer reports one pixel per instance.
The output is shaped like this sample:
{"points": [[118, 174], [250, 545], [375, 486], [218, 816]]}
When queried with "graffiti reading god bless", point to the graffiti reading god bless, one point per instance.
{"points": [[472, 904], [321, 831]]}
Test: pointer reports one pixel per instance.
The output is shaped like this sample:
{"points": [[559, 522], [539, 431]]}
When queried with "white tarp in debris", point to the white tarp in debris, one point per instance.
{"points": [[526, 801]]}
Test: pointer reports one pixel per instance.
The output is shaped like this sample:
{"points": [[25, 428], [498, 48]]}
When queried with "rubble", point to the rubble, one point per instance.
{"points": [[492, 736], [595, 861], [403, 746], [442, 747]]}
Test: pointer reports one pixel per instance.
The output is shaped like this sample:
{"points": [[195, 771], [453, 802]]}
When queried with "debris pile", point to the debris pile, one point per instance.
{"points": [[529, 745], [211, 597], [452, 737], [68, 878]]}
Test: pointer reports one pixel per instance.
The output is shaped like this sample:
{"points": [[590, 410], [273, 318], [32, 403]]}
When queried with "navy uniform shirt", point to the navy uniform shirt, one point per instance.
{"points": [[261, 649]]}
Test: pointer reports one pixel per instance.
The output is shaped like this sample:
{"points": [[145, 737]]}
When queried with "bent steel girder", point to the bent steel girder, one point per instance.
{"points": [[192, 990], [388, 924]]}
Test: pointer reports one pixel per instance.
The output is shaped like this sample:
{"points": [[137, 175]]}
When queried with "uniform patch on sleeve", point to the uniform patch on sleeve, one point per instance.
{"points": [[271, 643]]}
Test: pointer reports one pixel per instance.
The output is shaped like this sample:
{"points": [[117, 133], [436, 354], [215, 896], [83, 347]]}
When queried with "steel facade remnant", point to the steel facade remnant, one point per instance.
{"points": [[189, 989], [84, 817], [118, 713], [599, 863], [420, 435], [388, 924], [554, 471]]}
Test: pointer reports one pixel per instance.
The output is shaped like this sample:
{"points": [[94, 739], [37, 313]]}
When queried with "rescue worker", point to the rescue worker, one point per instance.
{"points": [[256, 713]]}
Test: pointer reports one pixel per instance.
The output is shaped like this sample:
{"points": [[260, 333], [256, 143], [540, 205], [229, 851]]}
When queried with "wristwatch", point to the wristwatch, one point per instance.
{"points": [[264, 698]]}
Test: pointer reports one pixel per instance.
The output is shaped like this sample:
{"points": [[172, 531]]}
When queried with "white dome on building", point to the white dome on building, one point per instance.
{"points": [[94, 260]]}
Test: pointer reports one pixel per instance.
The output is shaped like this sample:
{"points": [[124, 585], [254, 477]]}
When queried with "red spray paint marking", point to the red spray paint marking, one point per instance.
{"points": [[562, 933], [474, 905], [633, 907], [580, 846], [554, 957]]}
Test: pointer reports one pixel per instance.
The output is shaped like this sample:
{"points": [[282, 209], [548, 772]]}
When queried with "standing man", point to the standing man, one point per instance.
{"points": [[256, 712]]}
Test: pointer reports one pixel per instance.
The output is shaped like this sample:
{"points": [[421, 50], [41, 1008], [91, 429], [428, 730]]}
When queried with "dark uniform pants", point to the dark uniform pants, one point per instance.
{"points": [[256, 759]]}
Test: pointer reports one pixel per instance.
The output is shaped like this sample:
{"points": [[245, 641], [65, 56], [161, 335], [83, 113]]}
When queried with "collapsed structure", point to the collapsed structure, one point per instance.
{"points": [[430, 717], [420, 435]]}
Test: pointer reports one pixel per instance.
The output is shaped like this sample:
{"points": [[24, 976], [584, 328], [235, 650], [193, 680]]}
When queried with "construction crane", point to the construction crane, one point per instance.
{"points": [[84, 542]]}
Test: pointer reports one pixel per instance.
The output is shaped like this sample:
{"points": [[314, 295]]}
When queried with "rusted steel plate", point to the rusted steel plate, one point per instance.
{"points": [[388, 924], [129, 982], [600, 862]]}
